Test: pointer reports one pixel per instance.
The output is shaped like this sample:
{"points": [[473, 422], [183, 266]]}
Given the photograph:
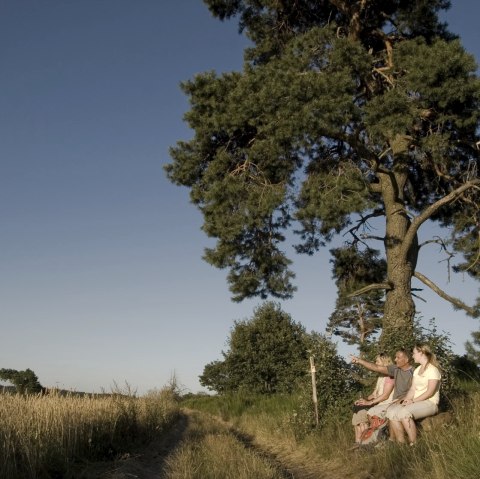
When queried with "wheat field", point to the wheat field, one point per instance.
{"points": [[47, 435]]}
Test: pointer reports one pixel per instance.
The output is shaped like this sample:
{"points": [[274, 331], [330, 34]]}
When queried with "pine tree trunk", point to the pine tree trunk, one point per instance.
{"points": [[399, 310]]}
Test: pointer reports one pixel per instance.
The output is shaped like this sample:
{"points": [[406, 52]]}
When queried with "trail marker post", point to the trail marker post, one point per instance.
{"points": [[314, 387]]}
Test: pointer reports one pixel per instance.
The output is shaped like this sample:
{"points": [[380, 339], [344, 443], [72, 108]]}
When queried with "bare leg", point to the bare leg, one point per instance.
{"points": [[359, 430], [397, 428], [411, 428], [356, 430]]}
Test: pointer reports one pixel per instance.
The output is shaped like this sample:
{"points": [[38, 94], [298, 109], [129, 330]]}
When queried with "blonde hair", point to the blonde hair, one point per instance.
{"points": [[425, 349], [384, 359]]}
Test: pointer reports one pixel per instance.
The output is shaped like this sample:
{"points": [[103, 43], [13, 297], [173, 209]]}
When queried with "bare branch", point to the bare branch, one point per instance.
{"points": [[419, 297], [375, 187], [455, 301], [370, 287], [387, 78], [436, 240], [441, 174], [371, 237], [443, 245], [363, 219], [432, 209], [341, 5]]}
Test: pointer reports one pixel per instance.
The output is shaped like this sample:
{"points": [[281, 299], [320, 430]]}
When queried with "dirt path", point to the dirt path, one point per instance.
{"points": [[147, 463], [155, 460]]}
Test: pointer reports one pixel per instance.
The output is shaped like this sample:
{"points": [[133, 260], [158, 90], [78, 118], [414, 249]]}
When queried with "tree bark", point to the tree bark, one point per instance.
{"points": [[399, 310]]}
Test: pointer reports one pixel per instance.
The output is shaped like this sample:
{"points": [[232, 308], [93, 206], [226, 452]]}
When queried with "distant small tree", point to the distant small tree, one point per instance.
{"points": [[356, 320], [465, 368], [473, 348], [216, 377], [334, 379], [25, 382], [266, 354], [336, 388]]}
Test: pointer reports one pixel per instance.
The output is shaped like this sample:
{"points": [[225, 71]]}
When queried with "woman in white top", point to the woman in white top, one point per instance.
{"points": [[421, 400]]}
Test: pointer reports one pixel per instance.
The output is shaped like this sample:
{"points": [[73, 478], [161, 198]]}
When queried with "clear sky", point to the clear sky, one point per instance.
{"points": [[101, 276]]}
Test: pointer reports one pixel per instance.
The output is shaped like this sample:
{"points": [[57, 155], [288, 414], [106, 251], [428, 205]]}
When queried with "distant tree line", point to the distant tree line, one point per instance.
{"points": [[25, 382]]}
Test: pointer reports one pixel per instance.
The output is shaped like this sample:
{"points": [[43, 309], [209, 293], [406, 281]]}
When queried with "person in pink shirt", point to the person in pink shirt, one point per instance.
{"points": [[382, 394]]}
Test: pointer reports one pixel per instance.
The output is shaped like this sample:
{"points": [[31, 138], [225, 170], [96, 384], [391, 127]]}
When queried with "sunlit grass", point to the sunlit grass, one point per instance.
{"points": [[446, 452], [454, 451], [210, 451]]}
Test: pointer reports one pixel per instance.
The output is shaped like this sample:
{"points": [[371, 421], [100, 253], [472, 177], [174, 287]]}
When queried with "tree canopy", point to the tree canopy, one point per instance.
{"points": [[270, 353], [25, 382], [345, 111], [267, 354]]}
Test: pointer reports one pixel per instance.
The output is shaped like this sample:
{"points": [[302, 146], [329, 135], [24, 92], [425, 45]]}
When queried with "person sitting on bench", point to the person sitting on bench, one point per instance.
{"points": [[401, 372], [421, 400], [382, 394]]}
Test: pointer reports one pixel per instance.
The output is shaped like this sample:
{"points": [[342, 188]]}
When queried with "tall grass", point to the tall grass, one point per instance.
{"points": [[211, 451], [446, 452], [231, 407], [43, 436], [453, 451]]}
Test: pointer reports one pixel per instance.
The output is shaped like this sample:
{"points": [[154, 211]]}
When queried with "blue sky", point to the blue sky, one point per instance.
{"points": [[101, 276]]}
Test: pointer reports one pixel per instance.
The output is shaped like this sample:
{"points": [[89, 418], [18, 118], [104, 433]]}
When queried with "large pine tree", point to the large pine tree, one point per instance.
{"points": [[345, 111]]}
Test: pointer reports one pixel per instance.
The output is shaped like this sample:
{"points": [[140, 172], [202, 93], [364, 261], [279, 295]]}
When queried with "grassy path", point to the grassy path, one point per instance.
{"points": [[201, 446]]}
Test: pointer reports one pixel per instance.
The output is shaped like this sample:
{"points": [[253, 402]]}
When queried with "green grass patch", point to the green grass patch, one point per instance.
{"points": [[448, 451]]}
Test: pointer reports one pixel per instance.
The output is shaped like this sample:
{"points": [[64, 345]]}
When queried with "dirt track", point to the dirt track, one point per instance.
{"points": [[151, 462], [148, 463]]}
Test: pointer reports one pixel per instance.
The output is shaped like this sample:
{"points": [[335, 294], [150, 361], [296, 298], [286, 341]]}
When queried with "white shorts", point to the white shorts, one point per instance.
{"points": [[416, 410]]}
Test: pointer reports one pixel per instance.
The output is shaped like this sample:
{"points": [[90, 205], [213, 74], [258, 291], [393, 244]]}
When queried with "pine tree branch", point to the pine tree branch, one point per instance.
{"points": [[370, 237], [435, 240], [433, 208], [418, 297], [370, 287], [341, 5], [455, 301], [364, 219]]}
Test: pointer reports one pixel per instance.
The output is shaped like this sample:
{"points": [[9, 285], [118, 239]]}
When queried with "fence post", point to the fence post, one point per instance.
{"points": [[314, 387]]}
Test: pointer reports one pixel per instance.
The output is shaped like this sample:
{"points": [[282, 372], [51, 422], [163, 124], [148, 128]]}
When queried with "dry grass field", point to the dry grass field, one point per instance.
{"points": [[119, 435], [48, 435]]}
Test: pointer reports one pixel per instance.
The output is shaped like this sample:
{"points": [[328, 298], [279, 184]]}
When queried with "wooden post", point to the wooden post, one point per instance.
{"points": [[314, 388]]}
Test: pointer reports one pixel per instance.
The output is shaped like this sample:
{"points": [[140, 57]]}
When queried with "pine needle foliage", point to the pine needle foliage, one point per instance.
{"points": [[345, 111]]}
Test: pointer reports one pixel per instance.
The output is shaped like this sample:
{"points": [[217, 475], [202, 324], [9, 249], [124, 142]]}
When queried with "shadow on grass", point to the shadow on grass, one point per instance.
{"points": [[145, 461]]}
